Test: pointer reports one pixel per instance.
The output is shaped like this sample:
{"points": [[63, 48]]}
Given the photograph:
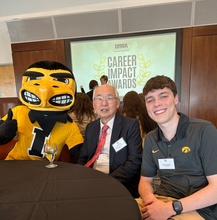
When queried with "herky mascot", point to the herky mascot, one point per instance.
{"points": [[48, 92]]}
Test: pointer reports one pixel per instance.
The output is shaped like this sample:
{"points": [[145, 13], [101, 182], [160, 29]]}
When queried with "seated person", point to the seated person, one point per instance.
{"points": [[82, 112], [134, 107], [47, 93], [184, 150], [120, 156]]}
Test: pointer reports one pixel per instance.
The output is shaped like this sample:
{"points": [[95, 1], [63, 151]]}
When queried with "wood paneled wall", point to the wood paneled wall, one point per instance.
{"points": [[199, 73], [25, 54], [6, 103]]}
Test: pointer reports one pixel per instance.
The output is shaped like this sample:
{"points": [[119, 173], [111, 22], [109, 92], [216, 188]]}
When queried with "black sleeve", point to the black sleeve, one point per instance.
{"points": [[75, 153], [82, 90]]}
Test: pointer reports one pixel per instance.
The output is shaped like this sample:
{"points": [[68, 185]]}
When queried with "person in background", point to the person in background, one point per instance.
{"points": [[104, 79], [134, 107], [184, 150], [82, 112], [92, 85], [121, 155]]}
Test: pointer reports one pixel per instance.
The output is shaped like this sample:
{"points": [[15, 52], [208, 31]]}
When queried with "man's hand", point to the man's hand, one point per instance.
{"points": [[157, 210], [8, 128]]}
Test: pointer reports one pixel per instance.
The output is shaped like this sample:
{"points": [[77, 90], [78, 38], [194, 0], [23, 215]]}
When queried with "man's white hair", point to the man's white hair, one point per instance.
{"points": [[116, 91]]}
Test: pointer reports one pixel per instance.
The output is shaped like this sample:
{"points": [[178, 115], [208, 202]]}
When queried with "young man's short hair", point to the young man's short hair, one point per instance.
{"points": [[104, 77], [159, 82]]}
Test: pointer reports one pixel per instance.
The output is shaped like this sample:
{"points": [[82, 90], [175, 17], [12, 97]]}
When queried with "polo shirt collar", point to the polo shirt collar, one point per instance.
{"points": [[181, 129]]}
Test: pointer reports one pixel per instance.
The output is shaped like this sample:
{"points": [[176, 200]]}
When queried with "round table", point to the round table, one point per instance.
{"points": [[30, 191]]}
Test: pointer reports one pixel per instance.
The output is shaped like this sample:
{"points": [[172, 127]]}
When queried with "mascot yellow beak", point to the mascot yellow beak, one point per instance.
{"points": [[48, 89]]}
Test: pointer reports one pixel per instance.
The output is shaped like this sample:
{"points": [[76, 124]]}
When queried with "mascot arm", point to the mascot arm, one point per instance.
{"points": [[8, 128]]}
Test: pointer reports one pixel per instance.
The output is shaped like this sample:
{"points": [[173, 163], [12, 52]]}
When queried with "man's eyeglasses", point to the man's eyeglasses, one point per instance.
{"points": [[108, 99]]}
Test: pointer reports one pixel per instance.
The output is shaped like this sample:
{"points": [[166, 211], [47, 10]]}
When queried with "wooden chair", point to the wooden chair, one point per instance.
{"points": [[65, 155], [6, 148]]}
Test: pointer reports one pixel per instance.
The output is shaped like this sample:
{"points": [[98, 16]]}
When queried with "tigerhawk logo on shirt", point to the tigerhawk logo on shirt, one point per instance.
{"points": [[186, 149]]}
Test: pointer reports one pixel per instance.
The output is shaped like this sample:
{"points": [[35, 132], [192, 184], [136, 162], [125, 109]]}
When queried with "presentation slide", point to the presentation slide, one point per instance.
{"points": [[128, 61]]}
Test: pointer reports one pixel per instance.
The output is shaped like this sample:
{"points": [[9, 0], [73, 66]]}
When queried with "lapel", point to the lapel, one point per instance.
{"points": [[95, 134], [117, 127], [93, 138]]}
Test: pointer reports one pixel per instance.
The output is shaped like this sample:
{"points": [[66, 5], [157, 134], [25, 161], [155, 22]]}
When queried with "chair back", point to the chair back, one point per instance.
{"points": [[65, 155], [6, 148]]}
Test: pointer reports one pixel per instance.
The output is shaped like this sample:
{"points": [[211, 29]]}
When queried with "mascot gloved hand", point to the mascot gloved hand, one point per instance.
{"points": [[8, 128], [48, 92]]}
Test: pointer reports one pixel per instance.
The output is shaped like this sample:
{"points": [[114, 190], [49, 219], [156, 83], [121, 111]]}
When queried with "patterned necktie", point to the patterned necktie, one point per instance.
{"points": [[99, 147]]}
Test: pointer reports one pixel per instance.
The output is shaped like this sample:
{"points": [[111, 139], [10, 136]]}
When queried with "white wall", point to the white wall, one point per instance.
{"points": [[5, 45]]}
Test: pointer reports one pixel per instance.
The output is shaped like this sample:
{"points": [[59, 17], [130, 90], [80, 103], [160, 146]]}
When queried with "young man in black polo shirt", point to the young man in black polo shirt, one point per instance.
{"points": [[184, 150]]}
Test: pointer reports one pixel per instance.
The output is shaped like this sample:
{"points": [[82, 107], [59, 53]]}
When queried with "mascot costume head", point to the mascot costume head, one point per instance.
{"points": [[48, 91], [48, 86]]}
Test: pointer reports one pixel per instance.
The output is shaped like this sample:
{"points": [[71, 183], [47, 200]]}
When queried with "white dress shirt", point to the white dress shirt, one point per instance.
{"points": [[102, 161]]}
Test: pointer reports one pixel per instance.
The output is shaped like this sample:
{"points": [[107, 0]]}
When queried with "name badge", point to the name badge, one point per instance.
{"points": [[118, 145], [166, 164]]}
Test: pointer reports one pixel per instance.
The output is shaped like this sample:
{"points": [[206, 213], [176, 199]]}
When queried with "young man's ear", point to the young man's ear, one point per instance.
{"points": [[176, 99]]}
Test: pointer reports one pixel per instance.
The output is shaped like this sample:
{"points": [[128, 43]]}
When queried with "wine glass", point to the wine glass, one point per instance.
{"points": [[50, 150]]}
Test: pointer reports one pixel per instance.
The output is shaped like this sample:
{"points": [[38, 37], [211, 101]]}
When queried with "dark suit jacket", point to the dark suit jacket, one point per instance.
{"points": [[90, 94], [125, 164]]}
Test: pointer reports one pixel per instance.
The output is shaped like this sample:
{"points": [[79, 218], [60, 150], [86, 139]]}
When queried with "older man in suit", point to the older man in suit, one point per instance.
{"points": [[120, 156]]}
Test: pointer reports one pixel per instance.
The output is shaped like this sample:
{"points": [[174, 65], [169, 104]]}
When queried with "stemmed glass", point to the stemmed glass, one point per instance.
{"points": [[50, 150]]}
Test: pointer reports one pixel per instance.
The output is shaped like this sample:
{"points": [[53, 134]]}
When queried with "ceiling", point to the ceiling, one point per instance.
{"points": [[11, 9]]}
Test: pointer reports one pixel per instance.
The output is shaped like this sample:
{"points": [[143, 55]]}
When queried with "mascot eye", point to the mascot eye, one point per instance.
{"points": [[32, 78], [64, 80]]}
